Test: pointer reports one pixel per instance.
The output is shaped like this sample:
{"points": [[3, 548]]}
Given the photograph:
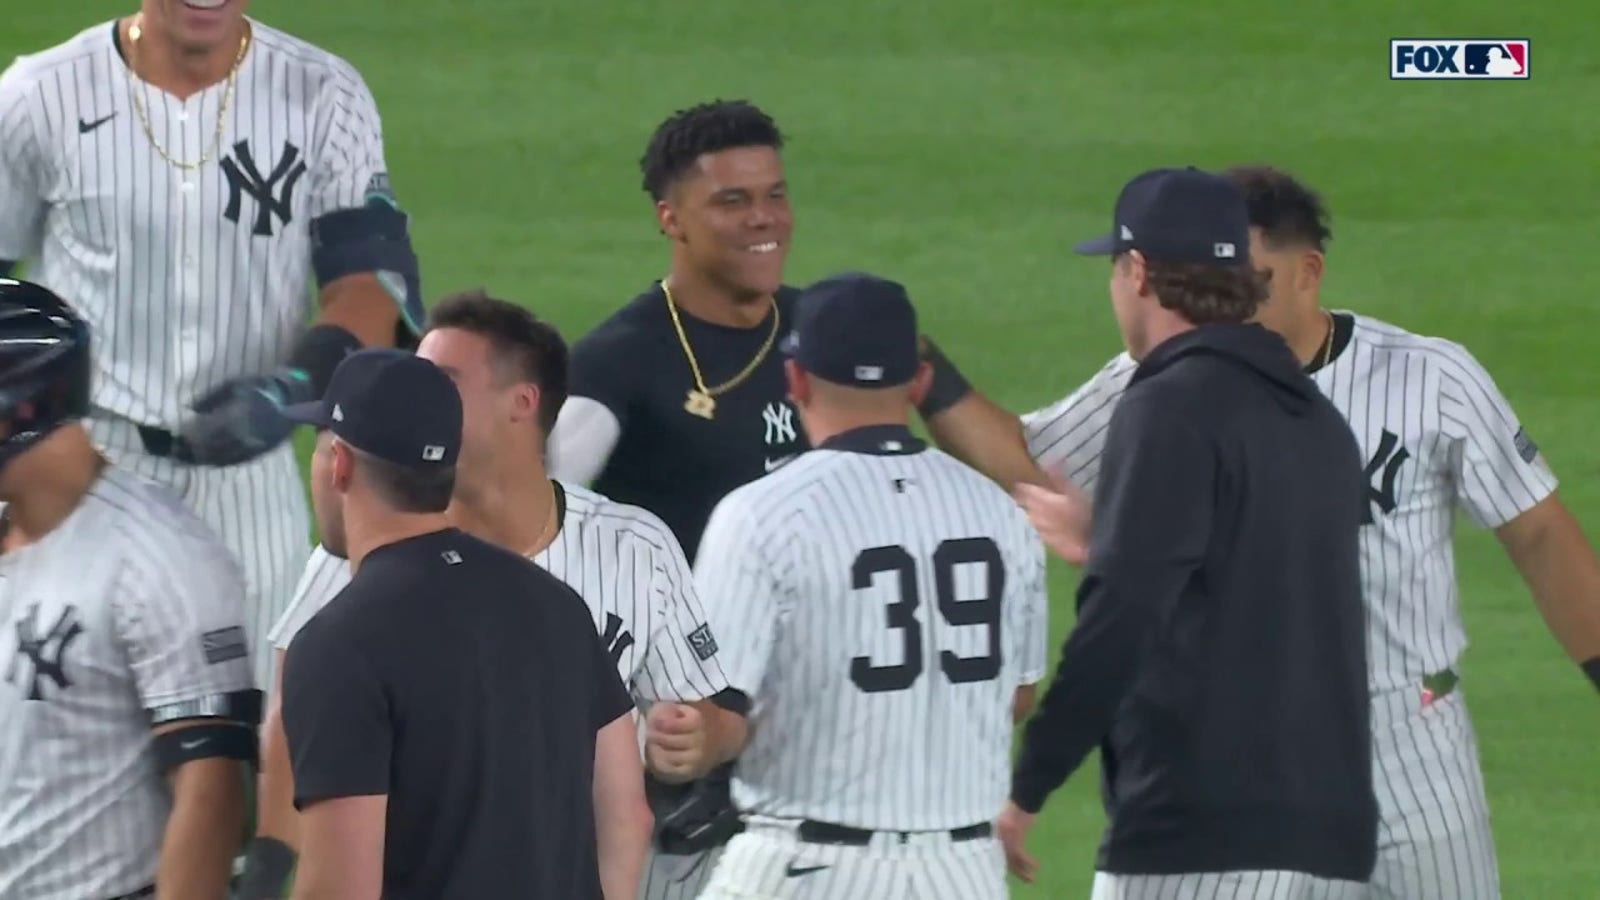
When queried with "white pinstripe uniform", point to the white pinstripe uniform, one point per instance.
{"points": [[1439, 436], [882, 606], [129, 614], [187, 278]]}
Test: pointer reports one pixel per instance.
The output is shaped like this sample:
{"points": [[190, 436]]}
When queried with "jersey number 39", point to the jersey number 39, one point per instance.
{"points": [[902, 613]]}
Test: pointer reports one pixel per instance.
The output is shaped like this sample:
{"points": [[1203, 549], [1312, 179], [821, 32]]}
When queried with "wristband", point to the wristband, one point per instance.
{"points": [[948, 387], [1592, 669], [268, 862], [319, 351]]}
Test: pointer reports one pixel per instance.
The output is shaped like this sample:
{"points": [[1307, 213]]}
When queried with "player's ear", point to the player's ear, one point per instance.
{"points": [[1311, 268], [1138, 272], [667, 220], [342, 471], [921, 382], [525, 402], [799, 386]]}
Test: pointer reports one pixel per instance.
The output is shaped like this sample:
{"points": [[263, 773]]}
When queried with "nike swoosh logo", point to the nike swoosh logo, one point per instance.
{"points": [[86, 127], [794, 871], [776, 463], [190, 745]]}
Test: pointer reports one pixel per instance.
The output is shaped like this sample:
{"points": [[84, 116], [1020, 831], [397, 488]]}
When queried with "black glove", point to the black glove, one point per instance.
{"points": [[242, 418]]}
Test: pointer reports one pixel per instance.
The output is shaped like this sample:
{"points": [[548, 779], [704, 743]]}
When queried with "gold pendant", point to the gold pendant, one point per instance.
{"points": [[700, 404]]}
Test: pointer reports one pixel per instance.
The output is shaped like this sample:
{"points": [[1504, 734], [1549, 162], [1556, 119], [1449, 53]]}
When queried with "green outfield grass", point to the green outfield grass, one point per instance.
{"points": [[962, 146]]}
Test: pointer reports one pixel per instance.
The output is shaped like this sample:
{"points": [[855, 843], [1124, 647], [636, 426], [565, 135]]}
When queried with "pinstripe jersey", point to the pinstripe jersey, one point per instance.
{"points": [[187, 278], [1437, 435], [628, 569], [880, 603], [130, 613]]}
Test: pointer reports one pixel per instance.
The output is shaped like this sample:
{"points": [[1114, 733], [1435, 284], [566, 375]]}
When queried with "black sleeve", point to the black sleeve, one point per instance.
{"points": [[336, 719], [1152, 519], [602, 368], [610, 696]]}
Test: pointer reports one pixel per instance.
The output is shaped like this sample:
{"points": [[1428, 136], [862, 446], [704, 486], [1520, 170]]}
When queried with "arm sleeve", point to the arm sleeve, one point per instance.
{"points": [[738, 588], [1149, 538], [1068, 436], [580, 444], [180, 620], [350, 162], [1499, 472], [610, 694], [1030, 605], [681, 663], [336, 718], [325, 575], [23, 176]]}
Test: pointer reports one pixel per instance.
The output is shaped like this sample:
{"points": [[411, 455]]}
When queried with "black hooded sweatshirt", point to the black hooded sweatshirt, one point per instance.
{"points": [[1219, 655]]}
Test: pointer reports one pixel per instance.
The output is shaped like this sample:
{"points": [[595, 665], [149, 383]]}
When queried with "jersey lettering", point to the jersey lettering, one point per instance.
{"points": [[1388, 458], [615, 639], [274, 194], [44, 652]]}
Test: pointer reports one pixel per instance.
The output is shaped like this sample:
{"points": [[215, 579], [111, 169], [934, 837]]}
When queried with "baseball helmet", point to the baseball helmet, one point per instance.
{"points": [[44, 364]]}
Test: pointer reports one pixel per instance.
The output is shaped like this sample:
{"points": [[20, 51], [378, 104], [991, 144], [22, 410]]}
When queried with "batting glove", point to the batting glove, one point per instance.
{"points": [[242, 418]]}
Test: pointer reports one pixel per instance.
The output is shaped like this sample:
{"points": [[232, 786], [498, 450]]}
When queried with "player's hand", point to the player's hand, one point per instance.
{"points": [[1013, 827], [1060, 513], [676, 743], [242, 418]]}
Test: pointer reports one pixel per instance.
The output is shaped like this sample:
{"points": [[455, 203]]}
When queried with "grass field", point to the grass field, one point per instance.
{"points": [[962, 145]]}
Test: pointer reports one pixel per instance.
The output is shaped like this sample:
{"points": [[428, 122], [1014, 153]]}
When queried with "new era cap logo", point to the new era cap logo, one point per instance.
{"points": [[1483, 59]]}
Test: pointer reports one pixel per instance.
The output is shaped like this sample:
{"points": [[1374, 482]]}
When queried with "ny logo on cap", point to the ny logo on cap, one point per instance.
{"points": [[433, 453]]}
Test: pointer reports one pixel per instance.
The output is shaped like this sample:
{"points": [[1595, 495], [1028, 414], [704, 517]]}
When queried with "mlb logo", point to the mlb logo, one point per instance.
{"points": [[1484, 59]]}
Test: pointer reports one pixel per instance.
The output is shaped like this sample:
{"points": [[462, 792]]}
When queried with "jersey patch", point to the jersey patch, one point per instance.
{"points": [[1526, 448], [703, 642], [224, 644]]}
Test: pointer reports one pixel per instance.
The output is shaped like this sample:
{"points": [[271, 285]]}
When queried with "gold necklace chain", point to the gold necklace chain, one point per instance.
{"points": [[1327, 348], [701, 400], [135, 32]]}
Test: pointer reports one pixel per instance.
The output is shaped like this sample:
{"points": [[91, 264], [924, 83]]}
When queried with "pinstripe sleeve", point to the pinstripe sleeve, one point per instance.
{"points": [[1029, 603], [22, 169], [1499, 471], [180, 618], [1067, 436], [350, 158], [325, 575], [739, 590], [682, 660]]}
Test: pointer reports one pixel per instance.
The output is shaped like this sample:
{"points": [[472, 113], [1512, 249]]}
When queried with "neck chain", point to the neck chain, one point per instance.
{"points": [[135, 32], [701, 400], [538, 546], [1327, 344]]}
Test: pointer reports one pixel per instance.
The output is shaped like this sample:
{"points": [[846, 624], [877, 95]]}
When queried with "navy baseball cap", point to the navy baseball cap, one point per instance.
{"points": [[1178, 216], [392, 404], [855, 329]]}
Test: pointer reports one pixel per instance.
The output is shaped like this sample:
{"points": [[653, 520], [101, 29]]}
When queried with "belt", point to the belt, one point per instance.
{"points": [[1439, 685], [135, 895], [813, 832], [162, 443]]}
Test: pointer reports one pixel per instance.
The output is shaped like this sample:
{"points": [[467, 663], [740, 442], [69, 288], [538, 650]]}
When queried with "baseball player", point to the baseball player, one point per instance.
{"points": [[183, 174], [1437, 435], [885, 607], [511, 370], [127, 702]]}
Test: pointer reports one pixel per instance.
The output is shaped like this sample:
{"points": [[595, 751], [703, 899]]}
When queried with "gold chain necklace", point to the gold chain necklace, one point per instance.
{"points": [[1327, 347], [701, 400], [135, 32]]}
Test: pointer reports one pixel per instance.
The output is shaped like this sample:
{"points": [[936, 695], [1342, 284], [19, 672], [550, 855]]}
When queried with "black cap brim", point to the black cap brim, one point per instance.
{"points": [[1104, 245], [312, 413]]}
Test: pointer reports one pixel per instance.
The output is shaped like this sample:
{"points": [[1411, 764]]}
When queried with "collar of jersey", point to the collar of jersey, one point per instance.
{"points": [[878, 440]]}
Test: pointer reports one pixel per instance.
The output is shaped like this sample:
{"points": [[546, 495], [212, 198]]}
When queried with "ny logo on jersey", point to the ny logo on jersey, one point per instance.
{"points": [[779, 417], [44, 651], [274, 194], [615, 639], [1388, 458]]}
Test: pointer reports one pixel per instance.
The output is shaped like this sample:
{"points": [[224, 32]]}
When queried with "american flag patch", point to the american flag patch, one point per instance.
{"points": [[223, 644], [1526, 448], [702, 642]]}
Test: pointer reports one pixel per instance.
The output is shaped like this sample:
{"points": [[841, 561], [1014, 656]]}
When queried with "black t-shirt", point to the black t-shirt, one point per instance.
{"points": [[467, 684], [668, 460]]}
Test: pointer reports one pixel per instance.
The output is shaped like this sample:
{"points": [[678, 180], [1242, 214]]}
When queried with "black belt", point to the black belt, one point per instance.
{"points": [[135, 895], [813, 832], [162, 443]]}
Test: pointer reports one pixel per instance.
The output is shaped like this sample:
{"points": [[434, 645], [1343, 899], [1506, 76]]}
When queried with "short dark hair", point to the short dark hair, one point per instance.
{"points": [[690, 133], [409, 490], [526, 345], [1287, 211], [1208, 295]]}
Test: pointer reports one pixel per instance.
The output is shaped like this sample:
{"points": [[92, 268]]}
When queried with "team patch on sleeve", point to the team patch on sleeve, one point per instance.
{"points": [[1526, 448], [224, 644], [703, 643]]}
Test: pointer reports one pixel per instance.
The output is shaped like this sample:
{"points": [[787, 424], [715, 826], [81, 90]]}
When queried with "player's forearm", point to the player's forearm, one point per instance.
{"points": [[622, 841], [1563, 574], [203, 830], [986, 437], [359, 304], [275, 815]]}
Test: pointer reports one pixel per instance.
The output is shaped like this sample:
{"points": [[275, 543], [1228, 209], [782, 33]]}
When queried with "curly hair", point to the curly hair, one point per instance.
{"points": [[691, 133], [1289, 213], [1207, 295]]}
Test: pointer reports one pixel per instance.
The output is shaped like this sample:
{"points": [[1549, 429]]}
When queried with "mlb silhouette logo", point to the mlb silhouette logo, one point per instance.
{"points": [[1451, 59]]}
